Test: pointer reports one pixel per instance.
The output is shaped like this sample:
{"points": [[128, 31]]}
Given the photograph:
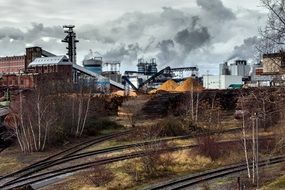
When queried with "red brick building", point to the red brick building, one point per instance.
{"points": [[19, 64], [13, 64], [41, 69], [19, 80]]}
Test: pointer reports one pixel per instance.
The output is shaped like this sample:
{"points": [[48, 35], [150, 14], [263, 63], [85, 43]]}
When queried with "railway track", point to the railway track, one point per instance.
{"points": [[79, 167], [28, 179], [70, 154], [64, 154], [78, 156], [188, 181]]}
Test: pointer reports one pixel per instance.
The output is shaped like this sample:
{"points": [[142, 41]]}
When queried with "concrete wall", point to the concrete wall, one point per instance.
{"points": [[240, 70], [220, 81]]}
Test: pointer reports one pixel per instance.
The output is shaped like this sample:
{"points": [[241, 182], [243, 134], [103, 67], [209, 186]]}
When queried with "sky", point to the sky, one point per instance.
{"points": [[177, 33]]}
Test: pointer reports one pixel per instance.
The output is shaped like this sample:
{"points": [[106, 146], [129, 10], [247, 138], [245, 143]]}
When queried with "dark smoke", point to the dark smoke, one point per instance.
{"points": [[123, 52], [192, 39], [247, 50], [168, 53]]}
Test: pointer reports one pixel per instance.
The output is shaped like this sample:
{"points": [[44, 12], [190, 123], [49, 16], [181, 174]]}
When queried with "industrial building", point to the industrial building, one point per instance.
{"points": [[147, 68], [94, 64], [273, 63], [59, 67], [148, 77], [13, 64], [221, 81], [19, 64], [24, 71], [238, 68], [270, 71], [229, 75]]}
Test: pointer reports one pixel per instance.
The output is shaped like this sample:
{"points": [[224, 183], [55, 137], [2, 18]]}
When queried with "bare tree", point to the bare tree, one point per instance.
{"points": [[274, 32], [49, 113]]}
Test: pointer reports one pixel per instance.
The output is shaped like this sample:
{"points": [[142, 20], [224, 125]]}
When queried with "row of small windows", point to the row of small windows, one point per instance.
{"points": [[45, 60], [12, 58]]}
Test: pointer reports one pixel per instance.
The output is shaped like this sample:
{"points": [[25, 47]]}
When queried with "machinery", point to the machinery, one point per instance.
{"points": [[158, 77], [71, 40]]}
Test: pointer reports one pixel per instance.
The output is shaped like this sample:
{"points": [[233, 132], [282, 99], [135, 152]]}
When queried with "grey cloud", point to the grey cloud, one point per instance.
{"points": [[123, 52], [11, 33], [173, 35], [37, 31], [167, 54], [216, 8], [193, 38]]}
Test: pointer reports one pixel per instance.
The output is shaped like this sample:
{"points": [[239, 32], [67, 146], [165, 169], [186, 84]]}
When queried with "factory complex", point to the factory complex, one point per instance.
{"points": [[26, 71]]}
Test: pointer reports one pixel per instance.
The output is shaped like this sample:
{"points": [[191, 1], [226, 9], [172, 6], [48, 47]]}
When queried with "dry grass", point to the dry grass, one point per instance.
{"points": [[9, 164], [187, 162]]}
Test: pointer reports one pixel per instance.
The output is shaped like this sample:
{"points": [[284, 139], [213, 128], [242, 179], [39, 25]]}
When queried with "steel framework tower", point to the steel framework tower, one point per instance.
{"points": [[71, 40]]}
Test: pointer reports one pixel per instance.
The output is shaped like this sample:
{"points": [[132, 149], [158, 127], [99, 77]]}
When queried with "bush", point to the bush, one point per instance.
{"points": [[59, 136], [95, 126], [208, 146], [176, 126]]}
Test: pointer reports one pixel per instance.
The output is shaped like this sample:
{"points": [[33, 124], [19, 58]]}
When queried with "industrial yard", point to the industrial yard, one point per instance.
{"points": [[118, 95]]}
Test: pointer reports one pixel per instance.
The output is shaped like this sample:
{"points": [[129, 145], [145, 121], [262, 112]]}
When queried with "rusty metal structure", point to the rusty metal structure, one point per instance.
{"points": [[71, 40]]}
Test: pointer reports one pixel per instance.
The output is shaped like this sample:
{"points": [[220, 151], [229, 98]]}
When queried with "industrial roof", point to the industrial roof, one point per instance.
{"points": [[55, 60], [99, 77]]}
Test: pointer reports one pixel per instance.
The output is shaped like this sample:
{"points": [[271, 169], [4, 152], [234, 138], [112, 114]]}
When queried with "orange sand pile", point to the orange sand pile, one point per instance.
{"points": [[188, 85], [122, 93], [153, 91], [169, 86]]}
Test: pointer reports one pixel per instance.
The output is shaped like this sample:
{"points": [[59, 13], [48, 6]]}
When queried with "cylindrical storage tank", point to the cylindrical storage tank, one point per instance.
{"points": [[94, 65], [141, 67], [153, 68]]}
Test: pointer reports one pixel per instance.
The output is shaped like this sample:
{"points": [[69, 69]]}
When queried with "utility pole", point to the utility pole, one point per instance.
{"points": [[253, 148], [257, 154]]}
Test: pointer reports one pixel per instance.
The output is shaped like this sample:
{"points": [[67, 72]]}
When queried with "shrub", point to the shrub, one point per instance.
{"points": [[59, 136], [95, 126], [176, 126], [208, 146]]}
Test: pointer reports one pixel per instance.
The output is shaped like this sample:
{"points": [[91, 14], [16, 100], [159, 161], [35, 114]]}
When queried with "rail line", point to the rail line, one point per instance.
{"points": [[65, 153], [187, 181], [24, 180], [69, 154], [51, 174]]}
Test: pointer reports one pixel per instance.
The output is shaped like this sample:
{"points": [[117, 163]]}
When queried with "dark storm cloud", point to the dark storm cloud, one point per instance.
{"points": [[192, 38], [172, 35], [184, 31]]}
